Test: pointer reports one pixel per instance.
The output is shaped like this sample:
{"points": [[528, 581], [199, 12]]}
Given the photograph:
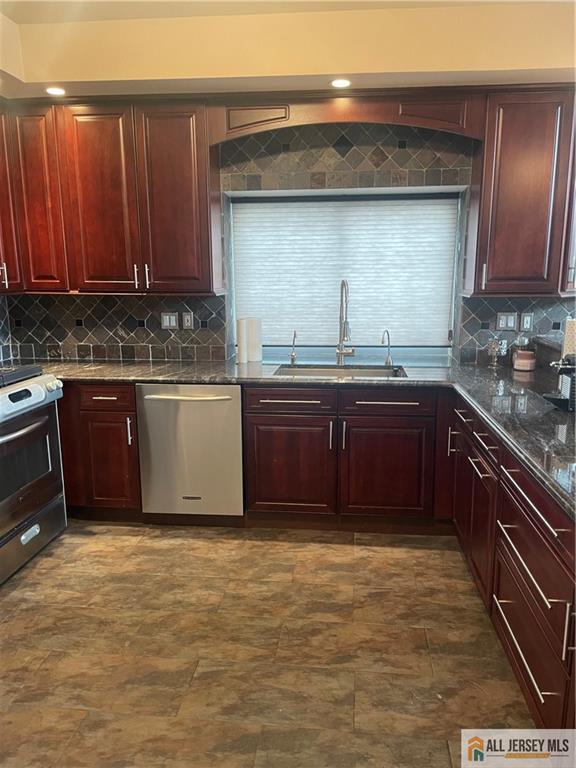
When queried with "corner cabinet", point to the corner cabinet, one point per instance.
{"points": [[523, 209]]}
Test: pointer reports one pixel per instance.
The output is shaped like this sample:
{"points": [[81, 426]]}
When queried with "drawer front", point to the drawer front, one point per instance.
{"points": [[388, 401], [541, 670], [289, 400], [464, 416], [548, 580], [549, 518], [485, 440], [107, 397]]}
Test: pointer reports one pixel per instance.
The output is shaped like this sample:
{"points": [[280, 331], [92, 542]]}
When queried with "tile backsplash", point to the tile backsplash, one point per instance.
{"points": [[5, 352], [123, 328]]}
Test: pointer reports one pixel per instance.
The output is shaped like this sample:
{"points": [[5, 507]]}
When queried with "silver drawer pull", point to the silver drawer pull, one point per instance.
{"points": [[30, 534], [539, 693], [129, 430], [330, 436], [103, 397], [524, 565], [479, 436], [461, 417], [187, 398], [343, 435], [384, 402], [450, 433], [534, 508], [566, 626], [475, 468], [306, 402]]}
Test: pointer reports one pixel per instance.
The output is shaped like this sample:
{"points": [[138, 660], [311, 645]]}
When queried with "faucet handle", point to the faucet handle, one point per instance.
{"points": [[293, 352]]}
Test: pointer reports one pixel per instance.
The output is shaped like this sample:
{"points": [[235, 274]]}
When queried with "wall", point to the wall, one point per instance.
{"points": [[123, 328]]}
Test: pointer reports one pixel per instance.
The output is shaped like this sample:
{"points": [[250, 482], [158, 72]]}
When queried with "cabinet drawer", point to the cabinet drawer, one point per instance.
{"points": [[107, 397], [548, 580], [549, 518], [289, 400], [536, 663], [393, 401]]}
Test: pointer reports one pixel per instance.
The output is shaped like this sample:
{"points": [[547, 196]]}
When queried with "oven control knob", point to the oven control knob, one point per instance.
{"points": [[59, 384], [51, 386]]}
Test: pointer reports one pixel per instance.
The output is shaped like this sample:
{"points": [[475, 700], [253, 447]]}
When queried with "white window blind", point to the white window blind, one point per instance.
{"points": [[398, 256]]}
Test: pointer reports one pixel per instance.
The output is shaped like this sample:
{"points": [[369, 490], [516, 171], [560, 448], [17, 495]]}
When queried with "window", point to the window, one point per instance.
{"points": [[397, 253]]}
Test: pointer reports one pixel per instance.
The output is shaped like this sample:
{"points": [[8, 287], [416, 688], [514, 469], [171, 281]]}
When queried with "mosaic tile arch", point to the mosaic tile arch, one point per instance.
{"points": [[345, 156]]}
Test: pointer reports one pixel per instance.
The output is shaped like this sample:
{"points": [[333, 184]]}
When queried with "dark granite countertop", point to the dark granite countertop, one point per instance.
{"points": [[512, 403]]}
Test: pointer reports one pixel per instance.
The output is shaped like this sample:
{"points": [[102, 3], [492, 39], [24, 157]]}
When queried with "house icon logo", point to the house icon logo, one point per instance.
{"points": [[475, 750]]}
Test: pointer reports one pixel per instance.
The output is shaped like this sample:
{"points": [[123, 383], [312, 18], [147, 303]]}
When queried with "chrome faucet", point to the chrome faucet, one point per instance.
{"points": [[388, 361], [342, 351], [293, 353]]}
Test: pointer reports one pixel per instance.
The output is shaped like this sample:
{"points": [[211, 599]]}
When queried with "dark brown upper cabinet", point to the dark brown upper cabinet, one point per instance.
{"points": [[569, 270], [522, 226], [38, 204], [97, 144], [10, 273], [174, 175]]}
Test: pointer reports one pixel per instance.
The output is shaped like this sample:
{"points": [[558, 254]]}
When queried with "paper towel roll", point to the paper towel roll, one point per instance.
{"points": [[241, 341], [254, 339], [569, 346]]}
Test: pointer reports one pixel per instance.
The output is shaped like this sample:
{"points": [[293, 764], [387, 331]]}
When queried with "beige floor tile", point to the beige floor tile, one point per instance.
{"points": [[478, 640], [391, 541], [273, 694], [136, 741], [354, 646], [306, 748], [119, 683], [435, 708], [34, 737]]}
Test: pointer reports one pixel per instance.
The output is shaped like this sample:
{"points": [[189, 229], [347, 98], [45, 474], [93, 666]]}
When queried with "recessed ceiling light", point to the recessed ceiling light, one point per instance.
{"points": [[55, 91], [340, 82]]}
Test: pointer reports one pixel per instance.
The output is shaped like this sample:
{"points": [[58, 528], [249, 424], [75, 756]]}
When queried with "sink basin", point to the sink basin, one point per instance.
{"points": [[342, 371]]}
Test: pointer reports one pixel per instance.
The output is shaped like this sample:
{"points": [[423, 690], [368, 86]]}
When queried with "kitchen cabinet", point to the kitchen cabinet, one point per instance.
{"points": [[98, 423], [99, 161], [527, 156], [569, 269], [481, 528], [463, 483], [290, 463], [386, 465], [176, 205], [38, 203], [10, 273]]}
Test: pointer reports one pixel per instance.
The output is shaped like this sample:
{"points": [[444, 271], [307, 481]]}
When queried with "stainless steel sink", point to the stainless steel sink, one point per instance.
{"points": [[342, 371]]}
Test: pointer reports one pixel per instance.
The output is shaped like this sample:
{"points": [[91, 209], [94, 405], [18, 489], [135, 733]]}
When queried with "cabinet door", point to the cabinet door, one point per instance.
{"points": [[569, 268], [527, 159], [174, 197], [387, 465], [290, 463], [38, 199], [463, 486], [482, 521], [10, 274], [97, 143], [111, 454]]}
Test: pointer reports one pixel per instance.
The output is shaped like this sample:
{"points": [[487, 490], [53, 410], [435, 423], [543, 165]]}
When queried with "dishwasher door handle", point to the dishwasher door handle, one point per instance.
{"points": [[189, 398]]}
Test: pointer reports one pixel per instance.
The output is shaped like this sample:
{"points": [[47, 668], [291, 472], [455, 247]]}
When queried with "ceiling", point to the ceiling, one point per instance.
{"points": [[47, 11]]}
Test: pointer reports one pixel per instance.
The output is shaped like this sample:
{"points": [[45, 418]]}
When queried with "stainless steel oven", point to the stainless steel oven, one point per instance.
{"points": [[32, 510]]}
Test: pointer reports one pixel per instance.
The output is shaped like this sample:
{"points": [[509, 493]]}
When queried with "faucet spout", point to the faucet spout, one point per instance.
{"points": [[342, 351], [386, 339]]}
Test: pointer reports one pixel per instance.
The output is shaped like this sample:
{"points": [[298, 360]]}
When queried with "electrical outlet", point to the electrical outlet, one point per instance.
{"points": [[507, 321], [169, 320], [187, 320], [527, 321]]}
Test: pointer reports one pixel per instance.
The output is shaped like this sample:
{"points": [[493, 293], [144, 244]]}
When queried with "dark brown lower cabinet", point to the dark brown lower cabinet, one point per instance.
{"points": [[290, 463], [112, 476], [481, 540], [462, 488], [386, 465]]}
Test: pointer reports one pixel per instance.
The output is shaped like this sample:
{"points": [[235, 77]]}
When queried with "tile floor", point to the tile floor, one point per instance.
{"points": [[141, 647]]}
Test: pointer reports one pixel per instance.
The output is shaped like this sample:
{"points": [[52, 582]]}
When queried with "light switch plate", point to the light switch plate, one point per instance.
{"points": [[527, 321], [187, 320], [507, 321], [169, 320]]}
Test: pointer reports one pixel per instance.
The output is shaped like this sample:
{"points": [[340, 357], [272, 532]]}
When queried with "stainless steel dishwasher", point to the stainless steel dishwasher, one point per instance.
{"points": [[190, 442]]}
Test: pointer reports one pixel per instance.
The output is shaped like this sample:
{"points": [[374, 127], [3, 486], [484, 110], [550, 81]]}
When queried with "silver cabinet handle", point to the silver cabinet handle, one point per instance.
{"points": [[479, 436], [129, 429], [384, 402], [533, 507], [305, 402], [22, 432], [330, 435], [450, 433], [462, 418], [475, 468], [189, 399], [104, 397], [529, 573], [566, 626], [4, 270], [343, 435], [517, 646], [147, 275], [136, 284], [484, 275]]}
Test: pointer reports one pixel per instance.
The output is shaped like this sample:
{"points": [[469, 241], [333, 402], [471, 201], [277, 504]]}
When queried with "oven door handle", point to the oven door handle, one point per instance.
{"points": [[24, 431]]}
